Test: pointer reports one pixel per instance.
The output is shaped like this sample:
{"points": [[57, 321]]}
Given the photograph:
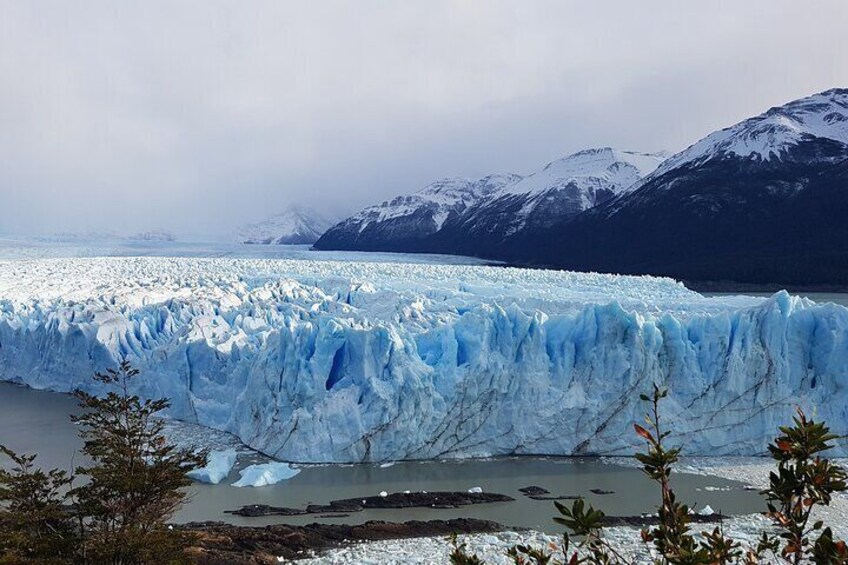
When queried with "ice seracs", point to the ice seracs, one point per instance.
{"points": [[331, 361]]}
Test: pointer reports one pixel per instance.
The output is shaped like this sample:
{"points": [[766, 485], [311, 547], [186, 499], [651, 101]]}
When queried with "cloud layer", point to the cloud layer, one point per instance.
{"points": [[196, 116]]}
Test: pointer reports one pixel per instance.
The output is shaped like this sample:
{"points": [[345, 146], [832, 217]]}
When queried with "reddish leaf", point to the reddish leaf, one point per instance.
{"points": [[643, 432], [791, 548]]}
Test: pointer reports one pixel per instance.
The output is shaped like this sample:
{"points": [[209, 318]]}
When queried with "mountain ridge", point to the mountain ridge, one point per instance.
{"points": [[752, 203], [468, 215]]}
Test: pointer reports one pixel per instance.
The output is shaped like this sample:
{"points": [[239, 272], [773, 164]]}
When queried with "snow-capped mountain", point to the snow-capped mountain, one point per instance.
{"points": [[474, 217], [561, 190], [764, 200], [406, 222], [297, 225], [590, 176], [775, 134]]}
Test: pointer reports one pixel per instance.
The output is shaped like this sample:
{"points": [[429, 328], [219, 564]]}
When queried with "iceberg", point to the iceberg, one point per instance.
{"points": [[218, 466], [332, 361], [265, 474]]}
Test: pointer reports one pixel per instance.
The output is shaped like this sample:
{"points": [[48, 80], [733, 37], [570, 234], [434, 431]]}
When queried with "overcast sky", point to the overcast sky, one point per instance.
{"points": [[198, 116]]}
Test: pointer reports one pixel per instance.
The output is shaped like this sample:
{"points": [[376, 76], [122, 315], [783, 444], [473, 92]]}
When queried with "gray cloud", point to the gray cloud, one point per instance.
{"points": [[198, 116]]}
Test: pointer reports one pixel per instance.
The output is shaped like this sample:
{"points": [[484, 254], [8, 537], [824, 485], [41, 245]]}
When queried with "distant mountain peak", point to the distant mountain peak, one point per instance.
{"points": [[437, 200], [297, 225]]}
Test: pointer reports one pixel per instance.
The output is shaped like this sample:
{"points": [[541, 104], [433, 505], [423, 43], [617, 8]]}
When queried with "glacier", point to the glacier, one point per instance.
{"points": [[317, 361]]}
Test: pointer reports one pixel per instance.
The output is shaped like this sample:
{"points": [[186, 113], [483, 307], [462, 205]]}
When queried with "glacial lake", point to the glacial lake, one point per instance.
{"points": [[37, 422], [840, 298]]}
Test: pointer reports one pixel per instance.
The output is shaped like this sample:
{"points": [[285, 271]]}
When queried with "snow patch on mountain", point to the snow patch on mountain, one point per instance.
{"points": [[590, 170], [561, 190], [439, 199]]}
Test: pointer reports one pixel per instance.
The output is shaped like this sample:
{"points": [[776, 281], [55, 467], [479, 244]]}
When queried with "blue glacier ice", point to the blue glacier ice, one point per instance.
{"points": [[331, 361], [265, 474], [219, 463]]}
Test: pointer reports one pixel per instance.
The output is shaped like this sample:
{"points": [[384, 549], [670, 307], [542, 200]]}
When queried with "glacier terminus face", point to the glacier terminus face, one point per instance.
{"points": [[335, 361]]}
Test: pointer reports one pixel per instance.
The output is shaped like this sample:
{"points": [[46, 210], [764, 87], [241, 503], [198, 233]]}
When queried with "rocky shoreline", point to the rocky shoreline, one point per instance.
{"points": [[346, 506], [217, 543]]}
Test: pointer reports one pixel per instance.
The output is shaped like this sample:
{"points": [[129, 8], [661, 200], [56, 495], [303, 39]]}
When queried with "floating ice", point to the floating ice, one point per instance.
{"points": [[218, 466], [265, 474], [707, 511]]}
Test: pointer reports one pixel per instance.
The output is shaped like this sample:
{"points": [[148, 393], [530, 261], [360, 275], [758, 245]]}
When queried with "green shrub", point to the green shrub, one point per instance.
{"points": [[118, 515], [35, 524], [136, 479], [803, 481]]}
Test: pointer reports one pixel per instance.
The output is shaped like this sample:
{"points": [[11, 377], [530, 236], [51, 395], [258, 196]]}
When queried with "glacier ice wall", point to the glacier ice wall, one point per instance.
{"points": [[320, 361]]}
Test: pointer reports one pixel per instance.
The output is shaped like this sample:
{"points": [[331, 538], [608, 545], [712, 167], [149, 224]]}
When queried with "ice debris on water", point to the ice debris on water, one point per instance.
{"points": [[218, 466], [265, 474]]}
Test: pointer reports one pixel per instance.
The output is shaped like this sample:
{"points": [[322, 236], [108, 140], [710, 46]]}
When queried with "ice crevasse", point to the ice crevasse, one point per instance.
{"points": [[325, 361]]}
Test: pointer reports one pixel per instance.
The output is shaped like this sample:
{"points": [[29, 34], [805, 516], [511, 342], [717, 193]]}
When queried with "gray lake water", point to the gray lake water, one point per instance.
{"points": [[37, 422], [821, 297]]}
